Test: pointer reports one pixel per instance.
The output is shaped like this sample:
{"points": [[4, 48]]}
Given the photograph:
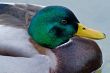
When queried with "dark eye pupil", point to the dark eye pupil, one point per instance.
{"points": [[84, 28], [64, 21]]}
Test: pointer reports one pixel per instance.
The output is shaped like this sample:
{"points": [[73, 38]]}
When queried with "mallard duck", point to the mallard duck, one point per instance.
{"points": [[48, 42]]}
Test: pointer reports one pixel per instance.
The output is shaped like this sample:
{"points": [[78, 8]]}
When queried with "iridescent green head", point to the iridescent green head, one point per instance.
{"points": [[53, 26]]}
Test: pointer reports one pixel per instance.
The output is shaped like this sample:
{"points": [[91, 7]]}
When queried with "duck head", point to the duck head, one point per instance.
{"points": [[55, 25]]}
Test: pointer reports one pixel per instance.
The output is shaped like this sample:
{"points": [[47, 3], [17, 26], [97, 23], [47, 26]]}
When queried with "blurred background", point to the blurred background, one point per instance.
{"points": [[92, 13]]}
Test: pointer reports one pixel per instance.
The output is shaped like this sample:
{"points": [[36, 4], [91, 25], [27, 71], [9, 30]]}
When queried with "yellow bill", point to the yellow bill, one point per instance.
{"points": [[89, 33]]}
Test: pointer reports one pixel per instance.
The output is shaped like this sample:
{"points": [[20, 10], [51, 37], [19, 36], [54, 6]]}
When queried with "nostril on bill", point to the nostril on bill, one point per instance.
{"points": [[104, 35]]}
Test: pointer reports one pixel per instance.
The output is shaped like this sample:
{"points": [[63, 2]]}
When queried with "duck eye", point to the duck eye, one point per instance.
{"points": [[84, 28], [64, 22]]}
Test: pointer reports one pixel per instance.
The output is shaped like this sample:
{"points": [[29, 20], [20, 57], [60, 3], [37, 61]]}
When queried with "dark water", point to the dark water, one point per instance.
{"points": [[92, 13]]}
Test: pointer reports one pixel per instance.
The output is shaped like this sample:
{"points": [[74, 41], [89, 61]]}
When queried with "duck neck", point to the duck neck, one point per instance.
{"points": [[64, 58]]}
